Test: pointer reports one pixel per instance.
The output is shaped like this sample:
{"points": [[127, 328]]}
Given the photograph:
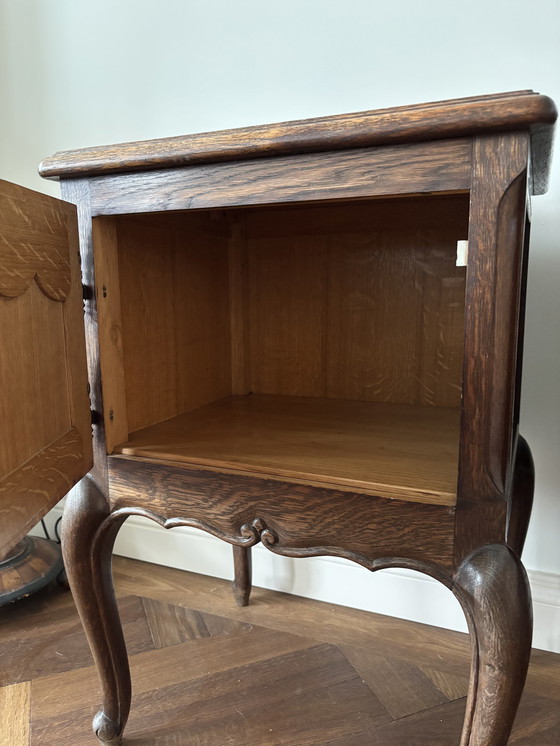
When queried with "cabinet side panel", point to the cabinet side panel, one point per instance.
{"points": [[110, 331], [146, 276], [175, 317]]}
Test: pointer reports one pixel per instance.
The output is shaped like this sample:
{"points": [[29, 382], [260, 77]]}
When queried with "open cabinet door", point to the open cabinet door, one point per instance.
{"points": [[45, 420]]}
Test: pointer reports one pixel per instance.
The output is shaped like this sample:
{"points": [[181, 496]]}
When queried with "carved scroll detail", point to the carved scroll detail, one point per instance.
{"points": [[251, 533]]}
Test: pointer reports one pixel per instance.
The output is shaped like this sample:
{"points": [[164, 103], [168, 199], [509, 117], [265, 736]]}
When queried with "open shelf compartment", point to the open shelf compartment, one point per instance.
{"points": [[319, 343]]}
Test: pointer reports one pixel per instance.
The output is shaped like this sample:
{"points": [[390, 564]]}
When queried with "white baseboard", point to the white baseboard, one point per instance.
{"points": [[395, 592]]}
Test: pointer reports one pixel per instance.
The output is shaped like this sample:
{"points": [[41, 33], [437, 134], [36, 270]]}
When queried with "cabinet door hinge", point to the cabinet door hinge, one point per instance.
{"points": [[87, 292]]}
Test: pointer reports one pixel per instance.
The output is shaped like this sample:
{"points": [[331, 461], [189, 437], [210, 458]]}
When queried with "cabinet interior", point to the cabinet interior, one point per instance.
{"points": [[319, 342]]}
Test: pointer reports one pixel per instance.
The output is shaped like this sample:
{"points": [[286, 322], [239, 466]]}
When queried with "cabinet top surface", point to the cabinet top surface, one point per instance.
{"points": [[519, 110]]}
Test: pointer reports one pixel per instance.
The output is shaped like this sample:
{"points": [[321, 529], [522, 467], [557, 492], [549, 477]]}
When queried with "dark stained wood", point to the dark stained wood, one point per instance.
{"points": [[245, 509], [77, 192], [520, 110], [494, 277], [493, 589], [423, 168], [87, 558], [242, 569], [429, 157]]}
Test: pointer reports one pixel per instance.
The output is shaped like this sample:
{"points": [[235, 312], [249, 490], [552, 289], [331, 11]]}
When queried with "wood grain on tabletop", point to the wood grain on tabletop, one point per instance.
{"points": [[440, 119]]}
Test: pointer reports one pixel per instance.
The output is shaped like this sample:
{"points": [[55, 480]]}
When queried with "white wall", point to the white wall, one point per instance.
{"points": [[76, 73]]}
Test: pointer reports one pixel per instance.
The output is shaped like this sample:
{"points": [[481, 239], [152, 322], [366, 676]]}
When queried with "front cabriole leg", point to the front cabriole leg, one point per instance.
{"points": [[87, 544], [493, 589]]}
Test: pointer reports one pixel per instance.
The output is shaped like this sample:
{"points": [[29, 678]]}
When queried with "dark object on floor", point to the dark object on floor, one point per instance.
{"points": [[32, 564]]}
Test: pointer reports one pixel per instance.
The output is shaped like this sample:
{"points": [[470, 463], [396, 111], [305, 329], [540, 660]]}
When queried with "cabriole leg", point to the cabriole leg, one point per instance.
{"points": [[87, 556], [242, 569], [493, 589]]}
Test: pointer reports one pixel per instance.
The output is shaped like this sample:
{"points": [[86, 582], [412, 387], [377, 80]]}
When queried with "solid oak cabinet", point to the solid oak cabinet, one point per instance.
{"points": [[307, 334]]}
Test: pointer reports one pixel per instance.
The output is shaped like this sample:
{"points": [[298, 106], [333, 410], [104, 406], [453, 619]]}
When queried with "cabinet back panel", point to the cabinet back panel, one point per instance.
{"points": [[360, 301], [175, 317]]}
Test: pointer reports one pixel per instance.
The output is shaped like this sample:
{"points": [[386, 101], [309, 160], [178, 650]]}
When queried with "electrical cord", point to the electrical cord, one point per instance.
{"points": [[56, 533]]}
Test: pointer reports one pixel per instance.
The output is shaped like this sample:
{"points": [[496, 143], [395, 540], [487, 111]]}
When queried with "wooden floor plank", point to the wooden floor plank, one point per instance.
{"points": [[284, 671], [440, 726], [399, 684], [339, 625], [166, 667], [537, 714], [171, 624], [15, 710], [42, 649], [453, 686], [299, 698]]}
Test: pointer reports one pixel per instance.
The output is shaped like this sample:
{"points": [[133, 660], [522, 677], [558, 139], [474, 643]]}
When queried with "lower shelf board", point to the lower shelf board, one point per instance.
{"points": [[389, 450]]}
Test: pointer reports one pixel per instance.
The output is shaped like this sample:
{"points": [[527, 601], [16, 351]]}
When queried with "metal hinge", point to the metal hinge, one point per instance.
{"points": [[87, 292]]}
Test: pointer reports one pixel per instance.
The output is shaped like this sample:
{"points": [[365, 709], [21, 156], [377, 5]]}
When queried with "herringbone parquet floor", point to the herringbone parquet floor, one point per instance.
{"points": [[284, 671]]}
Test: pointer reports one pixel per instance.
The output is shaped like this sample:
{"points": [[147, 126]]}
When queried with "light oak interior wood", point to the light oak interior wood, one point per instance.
{"points": [[15, 705], [338, 302], [391, 450]]}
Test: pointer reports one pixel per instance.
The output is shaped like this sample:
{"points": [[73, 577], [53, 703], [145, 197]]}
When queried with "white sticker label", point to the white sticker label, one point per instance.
{"points": [[462, 253]]}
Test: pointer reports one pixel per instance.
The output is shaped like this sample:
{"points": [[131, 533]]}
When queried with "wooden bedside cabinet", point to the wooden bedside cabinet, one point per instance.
{"points": [[283, 346]]}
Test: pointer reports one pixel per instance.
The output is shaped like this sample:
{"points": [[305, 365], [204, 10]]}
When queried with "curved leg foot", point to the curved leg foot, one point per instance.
{"points": [[522, 491], [242, 568], [87, 556], [493, 589]]}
